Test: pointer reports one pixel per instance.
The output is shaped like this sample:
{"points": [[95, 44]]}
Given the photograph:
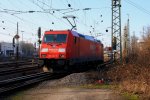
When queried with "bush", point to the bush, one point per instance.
{"points": [[134, 76]]}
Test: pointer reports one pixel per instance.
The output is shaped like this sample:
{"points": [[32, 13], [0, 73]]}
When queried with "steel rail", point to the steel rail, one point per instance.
{"points": [[11, 84], [17, 70], [15, 64]]}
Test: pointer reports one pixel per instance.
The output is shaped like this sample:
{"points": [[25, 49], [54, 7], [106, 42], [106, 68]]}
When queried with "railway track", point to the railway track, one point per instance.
{"points": [[15, 83], [106, 63], [18, 70], [5, 65], [15, 69], [18, 82]]}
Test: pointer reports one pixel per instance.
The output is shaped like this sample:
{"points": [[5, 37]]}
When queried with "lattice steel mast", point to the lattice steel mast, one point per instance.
{"points": [[116, 30]]}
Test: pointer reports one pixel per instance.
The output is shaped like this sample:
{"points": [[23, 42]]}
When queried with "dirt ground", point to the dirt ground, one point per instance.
{"points": [[68, 94], [67, 88]]}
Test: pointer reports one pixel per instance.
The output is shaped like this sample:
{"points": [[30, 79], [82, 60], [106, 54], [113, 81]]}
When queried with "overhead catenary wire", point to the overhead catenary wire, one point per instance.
{"points": [[138, 7], [58, 11], [22, 19], [74, 10], [40, 4], [49, 12], [87, 25], [8, 11], [14, 28], [33, 24]]}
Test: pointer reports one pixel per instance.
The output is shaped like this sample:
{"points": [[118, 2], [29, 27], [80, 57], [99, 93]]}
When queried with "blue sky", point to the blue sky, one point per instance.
{"points": [[29, 22]]}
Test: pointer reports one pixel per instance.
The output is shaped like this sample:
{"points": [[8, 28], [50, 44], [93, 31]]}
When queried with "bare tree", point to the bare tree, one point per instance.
{"points": [[27, 48], [134, 48]]}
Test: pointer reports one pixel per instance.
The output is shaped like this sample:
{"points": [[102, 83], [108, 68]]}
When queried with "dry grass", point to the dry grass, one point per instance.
{"points": [[134, 77], [131, 78]]}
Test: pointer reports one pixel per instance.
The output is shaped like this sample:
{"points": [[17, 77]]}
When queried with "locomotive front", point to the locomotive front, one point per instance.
{"points": [[53, 49]]}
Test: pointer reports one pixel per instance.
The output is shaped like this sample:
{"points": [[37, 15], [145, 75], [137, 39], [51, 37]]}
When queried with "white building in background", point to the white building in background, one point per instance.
{"points": [[7, 49]]}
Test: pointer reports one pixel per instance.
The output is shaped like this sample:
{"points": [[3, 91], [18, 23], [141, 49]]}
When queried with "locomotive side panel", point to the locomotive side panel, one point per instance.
{"points": [[100, 52], [73, 46], [87, 50]]}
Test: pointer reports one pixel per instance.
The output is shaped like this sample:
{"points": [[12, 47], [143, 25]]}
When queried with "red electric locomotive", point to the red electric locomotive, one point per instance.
{"points": [[62, 49]]}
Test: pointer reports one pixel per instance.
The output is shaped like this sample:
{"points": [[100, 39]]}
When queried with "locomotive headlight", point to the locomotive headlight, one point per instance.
{"points": [[61, 50], [44, 50]]}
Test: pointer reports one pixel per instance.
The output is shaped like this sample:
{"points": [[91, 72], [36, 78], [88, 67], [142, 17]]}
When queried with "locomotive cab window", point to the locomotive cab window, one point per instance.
{"points": [[58, 38]]}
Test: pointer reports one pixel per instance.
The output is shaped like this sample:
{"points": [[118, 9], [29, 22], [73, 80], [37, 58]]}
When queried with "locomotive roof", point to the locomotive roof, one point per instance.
{"points": [[91, 38], [74, 33]]}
